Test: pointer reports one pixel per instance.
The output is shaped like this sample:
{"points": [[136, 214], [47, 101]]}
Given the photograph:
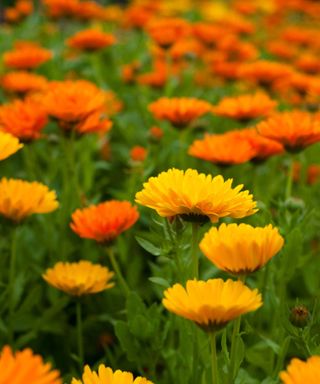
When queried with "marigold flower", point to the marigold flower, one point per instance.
{"points": [[157, 78], [24, 367], [23, 82], [105, 221], [26, 57], [23, 119], [91, 40], [105, 375], [138, 153], [8, 145], [94, 123], [20, 199], [78, 279], [295, 130], [241, 249], [156, 133], [300, 372], [195, 196], [245, 107], [179, 111], [211, 304]]}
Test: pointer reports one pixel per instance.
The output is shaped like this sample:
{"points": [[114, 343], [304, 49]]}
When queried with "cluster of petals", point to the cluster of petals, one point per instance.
{"points": [[24, 119], [19, 11], [24, 367], [22, 82], [180, 111], [192, 194], [91, 40], [211, 304], [8, 145], [241, 249], [106, 375], [26, 56], [295, 130], [301, 372], [245, 107], [80, 278], [105, 221], [20, 199]]}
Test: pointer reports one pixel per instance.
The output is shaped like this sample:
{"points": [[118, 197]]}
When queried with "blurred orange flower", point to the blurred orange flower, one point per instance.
{"points": [[24, 366], [94, 123], [179, 111], [105, 221], [22, 82], [26, 57], [91, 40], [138, 153]]}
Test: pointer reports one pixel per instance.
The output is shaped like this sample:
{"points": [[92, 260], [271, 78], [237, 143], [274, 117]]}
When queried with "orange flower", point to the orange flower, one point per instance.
{"points": [[94, 123], [313, 174], [138, 153], [23, 119], [308, 63], [245, 107], [207, 33], [23, 82], [295, 130], [24, 7], [129, 71], [105, 221], [11, 15], [282, 49], [24, 366], [179, 111], [60, 8], [156, 79], [26, 57], [156, 133], [91, 40]]}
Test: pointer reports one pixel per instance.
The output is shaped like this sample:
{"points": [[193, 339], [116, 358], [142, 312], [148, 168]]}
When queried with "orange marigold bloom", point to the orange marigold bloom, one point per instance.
{"points": [[94, 123], [23, 82], [129, 71], [60, 8], [11, 15], [156, 78], [138, 153], [23, 119], [25, 7], [24, 366], [295, 130], [91, 40], [26, 57], [245, 107], [207, 33], [8, 145], [20, 199], [179, 111], [78, 279], [105, 221], [156, 133], [300, 372], [313, 174]]}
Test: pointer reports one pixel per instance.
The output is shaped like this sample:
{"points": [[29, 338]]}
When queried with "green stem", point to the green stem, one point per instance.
{"points": [[29, 161], [194, 250], [117, 270], [80, 334], [289, 179], [12, 276], [214, 360]]}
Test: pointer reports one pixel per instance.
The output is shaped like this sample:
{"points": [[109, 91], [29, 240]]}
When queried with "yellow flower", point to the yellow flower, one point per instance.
{"points": [[8, 145], [24, 367], [81, 278], [241, 249], [211, 304], [194, 196], [107, 376], [19, 199], [302, 372]]}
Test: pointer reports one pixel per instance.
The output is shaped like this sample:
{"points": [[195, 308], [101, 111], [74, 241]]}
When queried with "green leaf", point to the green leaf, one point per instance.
{"points": [[160, 281], [148, 246]]}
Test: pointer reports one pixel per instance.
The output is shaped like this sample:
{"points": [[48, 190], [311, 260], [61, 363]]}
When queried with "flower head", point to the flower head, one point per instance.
{"points": [[8, 145], [107, 376], [195, 196], [20, 199], [81, 278], [91, 40], [300, 372], [211, 304], [24, 367], [23, 82], [28, 56], [241, 249], [179, 111], [105, 221]]}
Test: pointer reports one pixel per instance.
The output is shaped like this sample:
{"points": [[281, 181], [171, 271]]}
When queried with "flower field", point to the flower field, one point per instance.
{"points": [[159, 192]]}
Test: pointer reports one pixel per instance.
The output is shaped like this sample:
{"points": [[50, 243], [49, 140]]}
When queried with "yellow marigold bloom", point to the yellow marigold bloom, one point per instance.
{"points": [[24, 367], [241, 249], [8, 145], [302, 372], [19, 199], [105, 375], [211, 304], [81, 278], [195, 196]]}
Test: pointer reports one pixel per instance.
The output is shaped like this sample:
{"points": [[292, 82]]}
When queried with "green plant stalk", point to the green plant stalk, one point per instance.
{"points": [[214, 360], [194, 250], [80, 334], [29, 161], [12, 275], [116, 268], [288, 191]]}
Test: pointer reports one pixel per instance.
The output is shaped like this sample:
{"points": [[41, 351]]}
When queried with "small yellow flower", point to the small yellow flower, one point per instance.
{"points": [[302, 372], [8, 145], [211, 304], [81, 278], [107, 376], [20, 199], [241, 249], [195, 196]]}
